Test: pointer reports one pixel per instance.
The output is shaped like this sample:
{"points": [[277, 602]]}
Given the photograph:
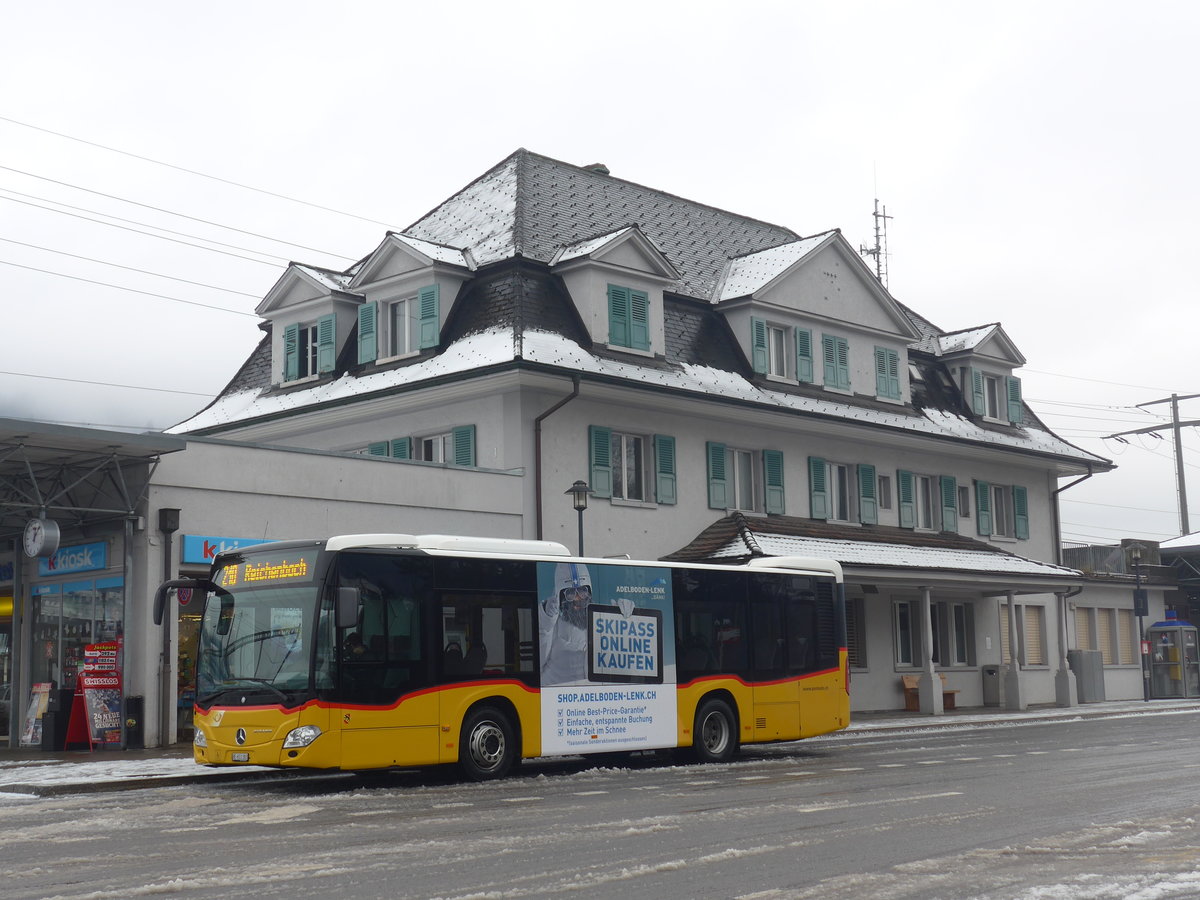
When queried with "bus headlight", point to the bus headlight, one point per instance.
{"points": [[199, 739], [302, 736]]}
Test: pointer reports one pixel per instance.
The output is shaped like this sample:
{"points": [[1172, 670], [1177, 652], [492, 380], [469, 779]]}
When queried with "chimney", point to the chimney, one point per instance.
{"points": [[598, 168]]}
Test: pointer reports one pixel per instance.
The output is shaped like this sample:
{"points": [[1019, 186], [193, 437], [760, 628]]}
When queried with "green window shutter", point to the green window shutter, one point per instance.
{"points": [[664, 468], [773, 481], [906, 494], [463, 439], [836, 358], [378, 448], [1012, 388], [983, 508], [758, 346], [977, 402], [401, 448], [639, 320], [818, 488], [717, 487], [887, 373], [868, 495], [618, 316], [326, 343], [429, 311], [600, 460], [949, 492], [1021, 512], [804, 355], [291, 353], [368, 346]]}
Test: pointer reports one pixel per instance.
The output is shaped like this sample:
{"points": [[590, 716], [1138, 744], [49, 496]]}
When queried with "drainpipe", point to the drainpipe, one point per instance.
{"points": [[1058, 556], [168, 524], [537, 450]]}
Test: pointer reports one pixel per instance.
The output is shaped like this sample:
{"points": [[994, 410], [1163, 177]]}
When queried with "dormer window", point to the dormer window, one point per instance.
{"points": [[404, 330], [772, 347], [309, 348], [628, 318], [409, 324], [995, 397]]}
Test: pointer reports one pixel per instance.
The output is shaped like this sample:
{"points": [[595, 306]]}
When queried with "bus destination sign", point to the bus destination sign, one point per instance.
{"points": [[266, 570]]}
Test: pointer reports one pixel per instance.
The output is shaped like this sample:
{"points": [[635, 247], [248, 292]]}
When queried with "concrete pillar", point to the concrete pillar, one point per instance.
{"points": [[1065, 693], [1014, 697], [930, 685]]}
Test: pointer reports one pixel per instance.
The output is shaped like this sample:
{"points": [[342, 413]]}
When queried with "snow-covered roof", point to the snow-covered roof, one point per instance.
{"points": [[1184, 542], [958, 341], [589, 246], [334, 281], [436, 252], [497, 345], [897, 556], [751, 272]]}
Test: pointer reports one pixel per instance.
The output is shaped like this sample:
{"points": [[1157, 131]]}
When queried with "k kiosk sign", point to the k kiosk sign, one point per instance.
{"points": [[80, 558]]}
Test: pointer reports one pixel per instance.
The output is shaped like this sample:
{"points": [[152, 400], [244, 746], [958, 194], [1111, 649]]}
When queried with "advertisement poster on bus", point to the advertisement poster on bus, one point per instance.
{"points": [[607, 635]]}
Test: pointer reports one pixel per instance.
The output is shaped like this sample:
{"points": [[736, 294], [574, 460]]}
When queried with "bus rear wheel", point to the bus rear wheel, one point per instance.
{"points": [[488, 747], [714, 734]]}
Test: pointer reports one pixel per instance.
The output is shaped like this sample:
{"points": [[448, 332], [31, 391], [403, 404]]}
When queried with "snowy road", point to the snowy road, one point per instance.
{"points": [[1102, 808]]}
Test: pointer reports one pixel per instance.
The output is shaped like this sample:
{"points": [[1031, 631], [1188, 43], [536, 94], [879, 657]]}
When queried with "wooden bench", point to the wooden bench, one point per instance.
{"points": [[912, 693]]}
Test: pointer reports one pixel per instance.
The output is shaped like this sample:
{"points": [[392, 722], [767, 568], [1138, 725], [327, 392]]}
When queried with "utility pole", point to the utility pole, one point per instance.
{"points": [[1175, 425]]}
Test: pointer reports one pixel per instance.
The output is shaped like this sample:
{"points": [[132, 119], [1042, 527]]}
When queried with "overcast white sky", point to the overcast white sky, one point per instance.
{"points": [[1038, 160]]}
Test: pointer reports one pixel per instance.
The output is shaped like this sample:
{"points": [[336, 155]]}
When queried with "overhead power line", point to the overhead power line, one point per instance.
{"points": [[129, 268], [169, 212], [159, 162], [129, 289], [134, 387], [280, 259]]}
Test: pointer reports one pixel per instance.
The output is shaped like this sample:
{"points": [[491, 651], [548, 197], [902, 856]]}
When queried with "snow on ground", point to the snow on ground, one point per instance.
{"points": [[19, 775]]}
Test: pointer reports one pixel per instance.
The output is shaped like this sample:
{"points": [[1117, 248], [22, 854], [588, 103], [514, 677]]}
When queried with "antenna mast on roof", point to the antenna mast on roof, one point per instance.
{"points": [[879, 251]]}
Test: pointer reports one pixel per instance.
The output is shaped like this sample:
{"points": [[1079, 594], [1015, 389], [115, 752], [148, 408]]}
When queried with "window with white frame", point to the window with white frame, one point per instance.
{"points": [[1002, 511], [906, 633], [964, 501], [953, 630], [404, 329], [928, 510], [434, 448], [885, 491], [740, 468], [843, 495], [629, 462], [776, 358]]}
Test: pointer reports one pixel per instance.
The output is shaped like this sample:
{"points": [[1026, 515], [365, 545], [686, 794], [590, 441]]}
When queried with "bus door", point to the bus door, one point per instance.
{"points": [[776, 692], [388, 715]]}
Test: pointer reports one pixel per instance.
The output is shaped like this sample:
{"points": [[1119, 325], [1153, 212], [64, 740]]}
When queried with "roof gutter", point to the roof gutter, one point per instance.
{"points": [[537, 449], [1058, 554]]}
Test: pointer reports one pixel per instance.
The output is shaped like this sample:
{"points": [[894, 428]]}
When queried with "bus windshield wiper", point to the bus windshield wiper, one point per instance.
{"points": [[270, 687]]}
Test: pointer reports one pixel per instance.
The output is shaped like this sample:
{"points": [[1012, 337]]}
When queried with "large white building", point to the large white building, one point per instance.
{"points": [[727, 388]]}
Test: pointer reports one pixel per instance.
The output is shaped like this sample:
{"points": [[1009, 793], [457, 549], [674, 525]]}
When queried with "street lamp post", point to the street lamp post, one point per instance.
{"points": [[1141, 610], [579, 497]]}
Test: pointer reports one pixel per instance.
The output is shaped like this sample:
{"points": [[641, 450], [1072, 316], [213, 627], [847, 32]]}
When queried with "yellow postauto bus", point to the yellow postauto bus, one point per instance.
{"points": [[373, 651]]}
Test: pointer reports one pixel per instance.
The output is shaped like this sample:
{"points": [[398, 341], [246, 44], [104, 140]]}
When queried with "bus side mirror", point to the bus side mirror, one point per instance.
{"points": [[346, 615], [160, 595]]}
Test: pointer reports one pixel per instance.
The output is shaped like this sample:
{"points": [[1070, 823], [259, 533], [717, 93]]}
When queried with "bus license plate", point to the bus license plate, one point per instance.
{"points": [[241, 757]]}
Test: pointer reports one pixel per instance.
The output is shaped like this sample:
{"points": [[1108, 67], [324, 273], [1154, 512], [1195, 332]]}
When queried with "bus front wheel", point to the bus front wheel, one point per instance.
{"points": [[714, 735], [488, 747]]}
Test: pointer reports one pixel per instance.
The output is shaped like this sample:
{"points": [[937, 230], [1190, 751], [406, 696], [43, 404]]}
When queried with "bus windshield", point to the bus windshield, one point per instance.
{"points": [[260, 628]]}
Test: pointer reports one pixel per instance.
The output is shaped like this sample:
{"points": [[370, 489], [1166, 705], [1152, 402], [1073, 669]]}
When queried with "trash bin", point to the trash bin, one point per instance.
{"points": [[135, 730], [991, 685]]}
